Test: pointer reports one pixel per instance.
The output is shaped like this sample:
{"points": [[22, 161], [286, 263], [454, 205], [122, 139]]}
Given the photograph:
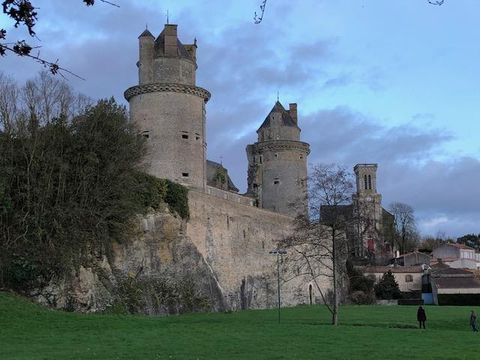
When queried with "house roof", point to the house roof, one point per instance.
{"points": [[415, 253], [393, 269], [456, 283], [451, 272], [285, 116], [459, 246]]}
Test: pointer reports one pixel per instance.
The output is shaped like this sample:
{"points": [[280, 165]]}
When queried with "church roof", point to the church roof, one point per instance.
{"points": [[146, 33], [286, 118], [159, 46]]}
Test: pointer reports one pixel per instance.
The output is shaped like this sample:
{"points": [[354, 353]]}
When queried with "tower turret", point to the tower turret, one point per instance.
{"points": [[169, 109], [146, 44], [277, 163]]}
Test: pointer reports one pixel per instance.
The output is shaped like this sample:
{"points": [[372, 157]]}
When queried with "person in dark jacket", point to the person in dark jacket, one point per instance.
{"points": [[421, 317], [473, 321]]}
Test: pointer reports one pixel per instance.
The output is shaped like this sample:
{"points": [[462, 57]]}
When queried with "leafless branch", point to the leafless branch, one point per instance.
{"points": [[258, 18], [53, 67], [110, 3]]}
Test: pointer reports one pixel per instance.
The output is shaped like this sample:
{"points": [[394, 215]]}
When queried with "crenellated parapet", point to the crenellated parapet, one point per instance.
{"points": [[159, 87]]}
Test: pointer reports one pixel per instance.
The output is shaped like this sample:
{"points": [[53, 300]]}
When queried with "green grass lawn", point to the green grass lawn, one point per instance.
{"points": [[28, 331]]}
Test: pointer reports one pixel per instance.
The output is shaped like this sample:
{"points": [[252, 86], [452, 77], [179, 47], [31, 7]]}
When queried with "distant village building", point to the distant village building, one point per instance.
{"points": [[454, 287], [408, 278], [457, 256], [411, 259]]}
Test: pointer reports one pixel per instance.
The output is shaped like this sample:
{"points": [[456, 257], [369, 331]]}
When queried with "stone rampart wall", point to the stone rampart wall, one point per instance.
{"points": [[235, 240]]}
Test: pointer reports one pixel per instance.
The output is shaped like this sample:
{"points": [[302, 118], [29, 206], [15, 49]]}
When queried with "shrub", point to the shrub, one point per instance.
{"points": [[362, 298]]}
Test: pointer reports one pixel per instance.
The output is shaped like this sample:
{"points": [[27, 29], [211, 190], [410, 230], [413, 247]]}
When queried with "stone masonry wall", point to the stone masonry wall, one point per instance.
{"points": [[235, 240]]}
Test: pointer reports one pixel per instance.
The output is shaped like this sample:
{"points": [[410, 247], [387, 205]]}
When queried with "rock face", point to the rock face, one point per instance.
{"points": [[158, 271]]}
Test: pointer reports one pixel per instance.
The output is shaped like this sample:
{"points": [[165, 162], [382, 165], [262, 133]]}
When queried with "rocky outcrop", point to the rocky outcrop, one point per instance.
{"points": [[157, 271]]}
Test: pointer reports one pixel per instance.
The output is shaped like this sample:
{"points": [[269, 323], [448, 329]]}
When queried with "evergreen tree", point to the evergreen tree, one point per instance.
{"points": [[387, 288]]}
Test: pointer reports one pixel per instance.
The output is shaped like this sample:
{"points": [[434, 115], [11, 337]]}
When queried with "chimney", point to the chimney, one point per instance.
{"points": [[293, 112], [170, 33]]}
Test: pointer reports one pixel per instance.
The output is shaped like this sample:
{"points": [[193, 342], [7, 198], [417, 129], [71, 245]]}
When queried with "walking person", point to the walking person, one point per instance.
{"points": [[473, 321], [421, 317]]}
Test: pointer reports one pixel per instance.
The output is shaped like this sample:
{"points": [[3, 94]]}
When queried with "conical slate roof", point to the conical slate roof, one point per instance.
{"points": [[146, 33], [286, 118]]}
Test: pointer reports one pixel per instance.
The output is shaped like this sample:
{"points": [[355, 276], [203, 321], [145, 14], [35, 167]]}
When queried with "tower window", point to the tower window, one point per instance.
{"points": [[276, 155], [184, 136], [146, 134], [185, 174], [301, 157], [370, 182], [260, 159], [276, 181], [366, 183]]}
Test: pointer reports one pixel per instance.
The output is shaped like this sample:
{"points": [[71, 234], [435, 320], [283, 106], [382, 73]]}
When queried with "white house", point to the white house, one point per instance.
{"points": [[458, 256]]}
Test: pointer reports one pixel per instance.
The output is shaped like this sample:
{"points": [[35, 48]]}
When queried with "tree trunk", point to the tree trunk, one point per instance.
{"points": [[335, 282]]}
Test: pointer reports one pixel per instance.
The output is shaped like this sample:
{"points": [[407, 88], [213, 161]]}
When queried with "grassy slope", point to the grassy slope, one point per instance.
{"points": [[28, 331]]}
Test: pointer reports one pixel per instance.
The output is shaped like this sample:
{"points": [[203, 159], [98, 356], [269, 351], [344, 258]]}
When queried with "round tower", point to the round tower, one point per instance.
{"points": [[169, 109], [277, 174]]}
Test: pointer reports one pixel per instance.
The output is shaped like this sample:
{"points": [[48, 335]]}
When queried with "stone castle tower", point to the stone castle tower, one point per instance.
{"points": [[277, 163], [169, 109], [368, 207]]}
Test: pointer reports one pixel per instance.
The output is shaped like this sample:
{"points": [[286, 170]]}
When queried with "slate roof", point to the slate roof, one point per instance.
{"points": [[146, 33], [181, 51], [286, 118], [450, 272], [456, 283], [393, 269]]}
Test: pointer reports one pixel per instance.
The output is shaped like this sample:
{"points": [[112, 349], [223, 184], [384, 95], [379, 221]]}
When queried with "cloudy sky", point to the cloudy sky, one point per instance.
{"points": [[390, 82]]}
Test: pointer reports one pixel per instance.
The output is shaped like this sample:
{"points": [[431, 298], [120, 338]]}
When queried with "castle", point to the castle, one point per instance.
{"points": [[233, 232]]}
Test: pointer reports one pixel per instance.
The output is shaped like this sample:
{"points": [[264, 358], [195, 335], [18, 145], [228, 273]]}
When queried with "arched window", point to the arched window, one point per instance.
{"points": [[370, 182], [365, 180]]}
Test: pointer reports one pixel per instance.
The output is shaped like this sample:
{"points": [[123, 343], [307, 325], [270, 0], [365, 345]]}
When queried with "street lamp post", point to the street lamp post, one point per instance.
{"points": [[278, 252]]}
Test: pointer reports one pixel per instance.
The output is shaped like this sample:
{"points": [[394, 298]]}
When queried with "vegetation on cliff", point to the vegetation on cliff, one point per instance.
{"points": [[70, 181]]}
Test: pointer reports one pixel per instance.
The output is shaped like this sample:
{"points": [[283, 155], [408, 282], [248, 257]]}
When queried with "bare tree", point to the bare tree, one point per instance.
{"points": [[318, 249], [9, 104], [405, 227]]}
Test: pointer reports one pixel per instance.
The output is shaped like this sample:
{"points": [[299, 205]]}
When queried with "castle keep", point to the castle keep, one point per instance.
{"points": [[232, 233], [169, 108]]}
